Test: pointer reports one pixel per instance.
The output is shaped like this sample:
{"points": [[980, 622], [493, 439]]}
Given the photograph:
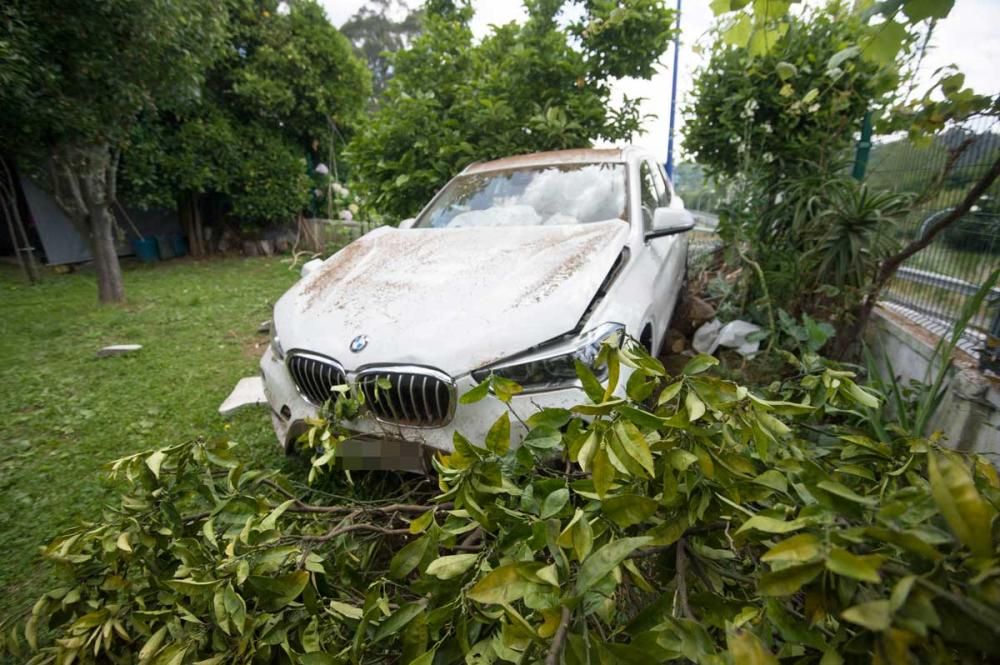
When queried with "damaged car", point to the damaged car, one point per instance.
{"points": [[518, 267]]}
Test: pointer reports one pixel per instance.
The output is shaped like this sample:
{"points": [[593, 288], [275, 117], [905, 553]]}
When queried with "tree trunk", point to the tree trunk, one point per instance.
{"points": [[84, 181], [102, 246]]}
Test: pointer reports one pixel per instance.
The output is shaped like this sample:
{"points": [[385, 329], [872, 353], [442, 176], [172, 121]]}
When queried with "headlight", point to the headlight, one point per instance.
{"points": [[554, 366], [279, 352]]}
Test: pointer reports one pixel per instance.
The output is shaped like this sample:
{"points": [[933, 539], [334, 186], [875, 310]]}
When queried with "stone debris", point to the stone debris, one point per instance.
{"points": [[118, 350]]}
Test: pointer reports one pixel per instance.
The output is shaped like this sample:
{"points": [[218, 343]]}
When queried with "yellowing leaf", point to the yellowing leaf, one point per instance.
{"points": [[627, 510], [123, 543], [420, 524], [788, 580], [155, 461], [695, 407], [800, 548], [771, 524], [746, 649], [874, 615], [498, 438], [967, 514], [864, 568], [845, 492], [603, 472], [447, 567], [501, 586]]}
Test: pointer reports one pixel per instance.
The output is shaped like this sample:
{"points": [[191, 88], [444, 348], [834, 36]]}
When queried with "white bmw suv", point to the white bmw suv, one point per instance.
{"points": [[517, 267]]}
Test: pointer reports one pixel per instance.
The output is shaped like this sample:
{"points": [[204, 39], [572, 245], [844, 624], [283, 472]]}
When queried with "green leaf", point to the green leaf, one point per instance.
{"points": [[968, 515], [738, 32], [398, 620], [635, 445], [408, 558], [919, 10], [554, 502], [669, 393], [801, 548], [774, 479], [152, 645], [875, 615], [602, 472], [864, 568], [447, 567], [604, 560], [787, 581], [277, 592], [420, 524], [551, 418], [720, 7], [699, 364], [786, 70], [498, 438], [845, 492], [771, 524], [883, 43], [543, 437], [271, 521], [627, 510], [590, 384], [695, 407], [477, 393]]}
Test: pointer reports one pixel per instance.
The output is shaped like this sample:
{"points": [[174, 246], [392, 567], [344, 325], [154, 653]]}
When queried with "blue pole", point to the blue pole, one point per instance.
{"points": [[673, 97]]}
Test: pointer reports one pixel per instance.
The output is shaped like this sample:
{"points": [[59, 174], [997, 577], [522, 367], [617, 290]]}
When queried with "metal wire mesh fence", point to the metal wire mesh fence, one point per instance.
{"points": [[934, 285]]}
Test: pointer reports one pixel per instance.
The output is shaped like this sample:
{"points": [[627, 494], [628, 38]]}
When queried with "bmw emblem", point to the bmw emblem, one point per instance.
{"points": [[359, 343]]}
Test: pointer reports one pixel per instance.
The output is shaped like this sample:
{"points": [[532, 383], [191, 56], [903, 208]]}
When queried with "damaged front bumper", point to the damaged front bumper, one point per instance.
{"points": [[381, 445]]}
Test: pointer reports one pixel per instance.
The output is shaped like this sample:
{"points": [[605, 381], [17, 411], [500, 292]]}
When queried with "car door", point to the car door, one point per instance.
{"points": [[665, 268]]}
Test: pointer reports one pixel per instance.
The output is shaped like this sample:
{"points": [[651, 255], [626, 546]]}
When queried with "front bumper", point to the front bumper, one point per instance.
{"points": [[387, 446]]}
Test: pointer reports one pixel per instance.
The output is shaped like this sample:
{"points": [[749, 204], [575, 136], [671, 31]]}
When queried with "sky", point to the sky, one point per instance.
{"points": [[969, 38]]}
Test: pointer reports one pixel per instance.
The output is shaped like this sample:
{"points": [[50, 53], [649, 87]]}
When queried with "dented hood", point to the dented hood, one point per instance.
{"points": [[453, 299]]}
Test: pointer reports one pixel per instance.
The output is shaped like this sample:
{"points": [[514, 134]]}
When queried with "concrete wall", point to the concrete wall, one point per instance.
{"points": [[969, 415]]}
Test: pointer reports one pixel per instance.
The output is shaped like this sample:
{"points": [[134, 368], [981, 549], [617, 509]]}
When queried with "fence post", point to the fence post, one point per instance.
{"points": [[864, 148]]}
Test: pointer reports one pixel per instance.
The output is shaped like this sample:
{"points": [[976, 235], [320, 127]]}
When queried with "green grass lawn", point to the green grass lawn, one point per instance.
{"points": [[65, 413]]}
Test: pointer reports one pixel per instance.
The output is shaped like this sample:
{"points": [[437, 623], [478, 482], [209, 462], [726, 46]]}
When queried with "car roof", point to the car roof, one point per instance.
{"points": [[578, 156]]}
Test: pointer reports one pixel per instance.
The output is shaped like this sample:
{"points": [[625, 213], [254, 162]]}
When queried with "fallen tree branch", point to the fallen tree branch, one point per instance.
{"points": [[682, 594], [361, 526], [559, 640]]}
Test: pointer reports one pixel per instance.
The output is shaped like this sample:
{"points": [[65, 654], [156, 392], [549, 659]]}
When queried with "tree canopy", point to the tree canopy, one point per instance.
{"points": [[77, 76], [523, 88], [288, 81]]}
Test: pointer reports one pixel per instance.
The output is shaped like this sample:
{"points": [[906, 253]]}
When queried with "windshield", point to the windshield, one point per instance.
{"points": [[531, 196]]}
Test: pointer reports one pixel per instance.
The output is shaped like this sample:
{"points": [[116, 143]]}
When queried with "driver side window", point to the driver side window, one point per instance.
{"points": [[649, 196]]}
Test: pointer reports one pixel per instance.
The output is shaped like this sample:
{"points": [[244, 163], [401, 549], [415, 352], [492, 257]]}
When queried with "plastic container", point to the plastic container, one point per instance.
{"points": [[166, 247], [179, 244], [145, 249]]}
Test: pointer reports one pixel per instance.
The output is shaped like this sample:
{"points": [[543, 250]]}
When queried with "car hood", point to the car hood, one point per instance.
{"points": [[455, 299]]}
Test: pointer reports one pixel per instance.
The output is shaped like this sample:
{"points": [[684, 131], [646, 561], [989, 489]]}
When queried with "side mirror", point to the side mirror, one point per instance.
{"points": [[668, 221], [407, 223], [309, 267]]}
